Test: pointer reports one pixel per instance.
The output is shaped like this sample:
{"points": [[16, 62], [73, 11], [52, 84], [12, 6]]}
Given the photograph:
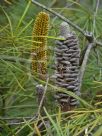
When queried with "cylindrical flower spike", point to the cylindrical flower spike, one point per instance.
{"points": [[39, 49], [67, 54]]}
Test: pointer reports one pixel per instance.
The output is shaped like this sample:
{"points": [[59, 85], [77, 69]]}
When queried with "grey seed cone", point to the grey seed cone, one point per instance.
{"points": [[67, 54]]}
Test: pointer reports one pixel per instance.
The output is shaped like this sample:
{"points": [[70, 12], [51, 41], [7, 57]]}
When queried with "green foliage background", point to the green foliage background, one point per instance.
{"points": [[17, 84]]}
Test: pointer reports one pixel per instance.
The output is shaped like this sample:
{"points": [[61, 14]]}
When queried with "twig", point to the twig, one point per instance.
{"points": [[84, 63], [98, 43], [82, 55], [41, 102], [40, 91], [66, 20], [60, 16]]}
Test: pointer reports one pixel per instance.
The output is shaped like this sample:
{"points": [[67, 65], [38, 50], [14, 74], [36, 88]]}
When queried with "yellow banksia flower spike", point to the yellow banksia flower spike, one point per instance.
{"points": [[39, 49]]}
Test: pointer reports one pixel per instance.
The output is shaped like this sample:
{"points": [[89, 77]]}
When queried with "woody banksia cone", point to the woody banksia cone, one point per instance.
{"points": [[67, 54], [39, 48]]}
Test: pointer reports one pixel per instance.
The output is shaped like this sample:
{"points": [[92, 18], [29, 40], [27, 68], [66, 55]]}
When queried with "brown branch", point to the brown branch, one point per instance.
{"points": [[92, 42], [68, 21], [60, 16], [43, 97], [84, 63], [82, 55], [98, 43]]}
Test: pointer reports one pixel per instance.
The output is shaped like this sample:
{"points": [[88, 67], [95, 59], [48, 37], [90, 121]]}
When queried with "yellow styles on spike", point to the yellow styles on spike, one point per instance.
{"points": [[39, 48]]}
